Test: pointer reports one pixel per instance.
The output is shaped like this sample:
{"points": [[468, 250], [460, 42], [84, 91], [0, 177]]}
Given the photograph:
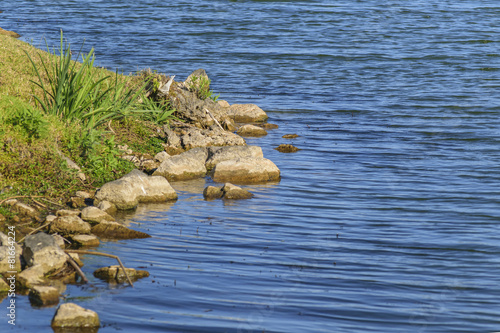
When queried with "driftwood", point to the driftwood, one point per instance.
{"points": [[104, 255], [77, 268]]}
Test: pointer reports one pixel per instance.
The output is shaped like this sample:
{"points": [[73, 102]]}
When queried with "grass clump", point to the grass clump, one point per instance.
{"points": [[52, 105]]}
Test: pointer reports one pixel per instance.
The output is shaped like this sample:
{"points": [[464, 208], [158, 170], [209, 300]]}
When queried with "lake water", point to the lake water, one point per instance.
{"points": [[387, 220]]}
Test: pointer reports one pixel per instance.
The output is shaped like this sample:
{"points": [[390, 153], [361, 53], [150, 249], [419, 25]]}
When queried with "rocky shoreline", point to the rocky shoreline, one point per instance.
{"points": [[206, 140]]}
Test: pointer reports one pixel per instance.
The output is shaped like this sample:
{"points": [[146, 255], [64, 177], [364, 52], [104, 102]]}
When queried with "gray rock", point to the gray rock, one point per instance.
{"points": [[25, 210], [44, 296], [115, 274], [107, 207], [212, 193], [41, 249], [68, 212], [30, 277], [220, 154], [162, 156], [69, 225], [70, 315], [251, 130], [95, 215], [83, 194], [59, 240], [246, 113], [136, 186], [85, 240], [247, 170], [188, 165], [114, 230], [233, 192], [173, 139]]}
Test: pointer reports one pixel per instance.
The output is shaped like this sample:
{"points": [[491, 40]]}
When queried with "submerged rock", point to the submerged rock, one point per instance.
{"points": [[115, 274], [247, 170], [136, 186], [251, 130], [246, 113], [212, 193], [41, 249], [188, 165], [220, 154], [70, 315], [43, 296], [290, 136], [228, 191], [285, 148], [114, 230], [268, 126], [233, 192]]}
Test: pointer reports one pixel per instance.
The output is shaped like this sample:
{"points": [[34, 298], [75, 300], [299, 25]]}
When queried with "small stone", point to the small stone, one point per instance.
{"points": [[69, 225], [59, 240], [286, 148], [251, 130], [25, 210], [107, 207], [30, 277], [2, 218], [115, 274], [67, 212], [223, 103], [85, 240], [212, 193], [76, 202], [4, 286], [50, 218], [246, 113], [248, 170], [114, 230], [233, 192], [95, 215], [162, 156], [83, 194], [290, 136], [70, 315], [269, 126], [43, 296]]}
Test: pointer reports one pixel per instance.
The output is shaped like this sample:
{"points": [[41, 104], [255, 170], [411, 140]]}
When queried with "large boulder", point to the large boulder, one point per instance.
{"points": [[41, 249], [248, 170], [114, 230], [188, 165], [69, 225], [246, 113], [70, 315], [220, 154], [134, 187]]}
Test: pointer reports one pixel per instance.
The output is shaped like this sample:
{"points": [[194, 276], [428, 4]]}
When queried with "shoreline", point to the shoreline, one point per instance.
{"points": [[207, 142]]}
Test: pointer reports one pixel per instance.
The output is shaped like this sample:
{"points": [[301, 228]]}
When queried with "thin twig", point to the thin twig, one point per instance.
{"points": [[109, 126], [38, 203], [52, 202], [104, 255], [33, 231], [77, 268], [216, 121], [20, 196]]}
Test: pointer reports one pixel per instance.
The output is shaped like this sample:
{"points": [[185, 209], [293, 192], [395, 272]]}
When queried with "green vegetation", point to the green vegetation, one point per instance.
{"points": [[51, 105], [201, 85]]}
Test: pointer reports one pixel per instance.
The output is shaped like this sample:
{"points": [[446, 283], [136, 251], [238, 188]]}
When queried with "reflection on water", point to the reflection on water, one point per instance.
{"points": [[385, 221]]}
